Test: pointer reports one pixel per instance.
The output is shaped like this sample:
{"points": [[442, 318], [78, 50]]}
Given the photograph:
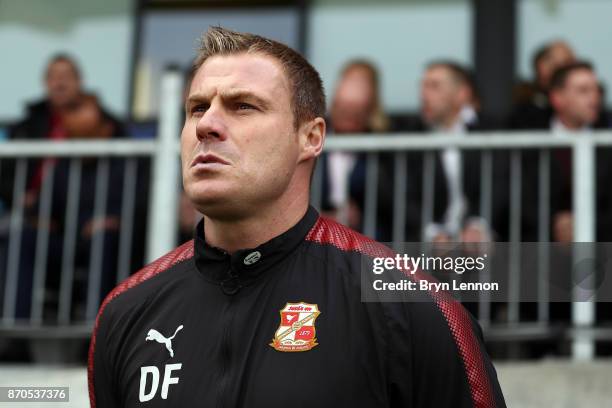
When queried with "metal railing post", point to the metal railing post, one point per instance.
{"points": [[163, 213], [583, 308]]}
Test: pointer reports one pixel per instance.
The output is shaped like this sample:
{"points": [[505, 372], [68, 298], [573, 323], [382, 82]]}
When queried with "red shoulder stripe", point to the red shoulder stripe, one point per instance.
{"points": [[326, 231], [183, 252]]}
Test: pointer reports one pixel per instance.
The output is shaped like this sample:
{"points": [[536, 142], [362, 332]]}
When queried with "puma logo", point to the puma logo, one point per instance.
{"points": [[160, 338]]}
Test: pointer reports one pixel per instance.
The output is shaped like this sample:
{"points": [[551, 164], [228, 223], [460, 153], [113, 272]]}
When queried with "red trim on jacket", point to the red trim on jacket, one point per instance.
{"points": [[183, 252], [327, 231]]}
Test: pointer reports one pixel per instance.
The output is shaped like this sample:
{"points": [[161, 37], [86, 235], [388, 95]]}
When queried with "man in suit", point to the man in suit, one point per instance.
{"points": [[449, 105], [575, 110], [576, 102]]}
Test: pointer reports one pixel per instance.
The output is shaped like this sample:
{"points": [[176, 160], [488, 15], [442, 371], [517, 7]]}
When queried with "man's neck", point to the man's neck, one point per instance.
{"points": [[450, 124], [569, 124], [257, 228]]}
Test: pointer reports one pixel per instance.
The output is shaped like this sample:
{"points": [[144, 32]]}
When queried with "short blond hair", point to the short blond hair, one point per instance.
{"points": [[307, 94]]}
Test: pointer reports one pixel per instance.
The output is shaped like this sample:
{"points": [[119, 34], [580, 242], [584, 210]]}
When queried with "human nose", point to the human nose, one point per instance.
{"points": [[211, 125]]}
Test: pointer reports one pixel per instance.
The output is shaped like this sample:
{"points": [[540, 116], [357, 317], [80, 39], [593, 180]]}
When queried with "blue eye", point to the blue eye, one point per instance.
{"points": [[198, 109]]}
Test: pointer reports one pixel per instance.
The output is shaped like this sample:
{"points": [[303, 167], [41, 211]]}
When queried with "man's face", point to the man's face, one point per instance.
{"points": [[440, 97], [579, 100], [239, 147], [62, 83], [353, 103]]}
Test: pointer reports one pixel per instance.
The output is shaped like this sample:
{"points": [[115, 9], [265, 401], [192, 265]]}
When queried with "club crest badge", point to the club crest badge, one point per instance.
{"points": [[297, 328]]}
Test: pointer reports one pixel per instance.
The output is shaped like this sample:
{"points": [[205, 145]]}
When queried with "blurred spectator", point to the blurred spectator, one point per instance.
{"points": [[532, 107], [449, 103], [548, 60], [84, 120], [574, 111], [66, 112], [575, 97], [575, 100], [47, 119], [355, 109]]}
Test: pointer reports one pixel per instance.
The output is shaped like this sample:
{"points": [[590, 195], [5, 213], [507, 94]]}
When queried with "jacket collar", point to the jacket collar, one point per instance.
{"points": [[237, 270]]}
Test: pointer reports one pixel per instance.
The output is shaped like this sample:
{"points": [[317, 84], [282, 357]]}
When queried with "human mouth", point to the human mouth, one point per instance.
{"points": [[207, 162]]}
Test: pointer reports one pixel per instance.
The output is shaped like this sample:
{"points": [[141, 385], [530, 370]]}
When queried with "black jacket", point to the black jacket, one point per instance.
{"points": [[200, 327]]}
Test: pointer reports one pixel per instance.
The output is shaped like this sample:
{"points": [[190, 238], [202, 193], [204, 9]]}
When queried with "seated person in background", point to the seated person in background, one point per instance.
{"points": [[46, 120], [355, 109], [449, 105], [446, 108], [63, 85], [575, 98], [86, 120], [82, 119], [532, 107], [575, 106], [63, 90]]}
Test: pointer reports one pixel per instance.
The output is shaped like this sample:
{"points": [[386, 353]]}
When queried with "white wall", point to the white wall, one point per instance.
{"points": [[585, 24], [400, 38], [98, 34], [172, 38]]}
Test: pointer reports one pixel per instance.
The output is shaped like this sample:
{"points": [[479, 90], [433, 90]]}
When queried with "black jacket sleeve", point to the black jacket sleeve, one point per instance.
{"points": [[102, 382], [439, 346]]}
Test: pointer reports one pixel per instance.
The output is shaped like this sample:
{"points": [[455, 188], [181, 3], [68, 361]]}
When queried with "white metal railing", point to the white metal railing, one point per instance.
{"points": [[583, 153], [164, 205], [165, 180]]}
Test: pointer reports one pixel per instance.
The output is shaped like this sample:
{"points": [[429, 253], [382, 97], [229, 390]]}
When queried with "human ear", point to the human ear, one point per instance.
{"points": [[555, 99], [311, 139]]}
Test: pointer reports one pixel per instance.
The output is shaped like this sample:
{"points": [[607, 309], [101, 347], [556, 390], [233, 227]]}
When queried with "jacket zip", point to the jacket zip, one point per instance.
{"points": [[225, 349]]}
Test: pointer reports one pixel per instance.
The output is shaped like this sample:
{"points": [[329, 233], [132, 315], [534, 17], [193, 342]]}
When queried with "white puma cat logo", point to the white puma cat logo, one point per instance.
{"points": [[160, 338]]}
